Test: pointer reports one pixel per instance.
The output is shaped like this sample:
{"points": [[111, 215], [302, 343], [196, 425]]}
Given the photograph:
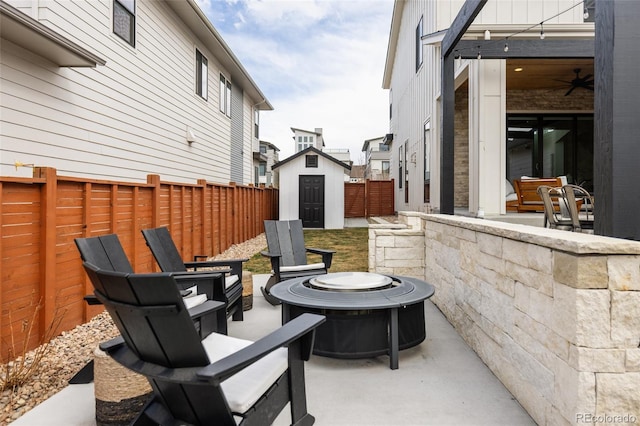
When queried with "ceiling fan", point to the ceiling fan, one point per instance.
{"points": [[585, 82]]}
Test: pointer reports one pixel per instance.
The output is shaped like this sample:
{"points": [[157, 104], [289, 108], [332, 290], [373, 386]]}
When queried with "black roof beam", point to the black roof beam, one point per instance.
{"points": [[525, 49]]}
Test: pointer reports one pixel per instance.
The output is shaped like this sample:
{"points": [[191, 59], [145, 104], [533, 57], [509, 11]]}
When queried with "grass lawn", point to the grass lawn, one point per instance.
{"points": [[351, 246]]}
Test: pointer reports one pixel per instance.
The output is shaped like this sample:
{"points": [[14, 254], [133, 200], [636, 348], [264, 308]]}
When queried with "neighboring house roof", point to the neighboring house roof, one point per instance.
{"points": [[294, 129], [368, 142], [23, 30], [270, 145], [192, 15], [308, 151]]}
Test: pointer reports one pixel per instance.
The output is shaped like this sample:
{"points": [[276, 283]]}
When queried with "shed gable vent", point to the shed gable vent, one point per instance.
{"points": [[311, 161]]}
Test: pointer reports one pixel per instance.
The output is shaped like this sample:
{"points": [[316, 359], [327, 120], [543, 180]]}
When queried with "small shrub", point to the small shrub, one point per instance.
{"points": [[25, 364]]}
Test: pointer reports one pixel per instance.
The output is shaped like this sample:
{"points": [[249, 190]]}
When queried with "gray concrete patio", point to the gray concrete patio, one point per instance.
{"points": [[439, 382]]}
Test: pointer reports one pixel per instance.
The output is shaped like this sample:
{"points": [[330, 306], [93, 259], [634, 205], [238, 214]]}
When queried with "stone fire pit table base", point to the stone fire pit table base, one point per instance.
{"points": [[363, 321]]}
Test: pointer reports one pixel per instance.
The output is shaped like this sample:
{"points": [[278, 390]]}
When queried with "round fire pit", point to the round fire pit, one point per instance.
{"points": [[367, 314]]}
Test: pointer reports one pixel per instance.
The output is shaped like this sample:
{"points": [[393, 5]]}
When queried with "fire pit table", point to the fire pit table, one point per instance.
{"points": [[367, 314]]}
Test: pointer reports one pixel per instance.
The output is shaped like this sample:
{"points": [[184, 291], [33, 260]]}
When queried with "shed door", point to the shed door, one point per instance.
{"points": [[312, 201]]}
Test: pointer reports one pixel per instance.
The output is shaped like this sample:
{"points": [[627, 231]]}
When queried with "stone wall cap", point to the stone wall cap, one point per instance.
{"points": [[573, 242]]}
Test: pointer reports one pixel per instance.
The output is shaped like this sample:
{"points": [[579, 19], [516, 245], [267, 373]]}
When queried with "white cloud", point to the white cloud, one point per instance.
{"points": [[319, 62]]}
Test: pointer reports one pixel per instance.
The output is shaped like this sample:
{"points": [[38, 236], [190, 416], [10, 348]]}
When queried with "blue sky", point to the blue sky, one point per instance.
{"points": [[318, 62]]}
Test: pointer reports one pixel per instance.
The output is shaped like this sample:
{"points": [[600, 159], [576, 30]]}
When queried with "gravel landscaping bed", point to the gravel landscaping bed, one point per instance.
{"points": [[66, 354]]}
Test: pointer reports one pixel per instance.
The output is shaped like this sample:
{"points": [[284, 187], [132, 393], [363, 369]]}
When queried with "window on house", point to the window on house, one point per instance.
{"points": [[390, 104], [124, 20], [256, 123], [201, 75], [225, 96], [400, 169], [427, 162], [386, 168], [304, 142], [263, 149], [406, 172], [419, 45], [262, 169], [311, 161]]}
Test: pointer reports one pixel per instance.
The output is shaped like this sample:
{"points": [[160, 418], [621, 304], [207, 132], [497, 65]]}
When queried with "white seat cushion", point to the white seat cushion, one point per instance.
{"points": [[244, 388], [191, 301], [230, 280], [308, 267], [193, 298]]}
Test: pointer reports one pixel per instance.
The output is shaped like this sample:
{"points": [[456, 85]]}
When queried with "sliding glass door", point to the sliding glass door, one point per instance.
{"points": [[551, 145]]}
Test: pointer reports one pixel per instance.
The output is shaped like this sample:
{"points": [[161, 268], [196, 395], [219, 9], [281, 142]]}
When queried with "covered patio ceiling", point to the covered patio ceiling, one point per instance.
{"points": [[545, 73]]}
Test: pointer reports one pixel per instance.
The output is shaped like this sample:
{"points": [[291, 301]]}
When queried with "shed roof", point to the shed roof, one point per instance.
{"points": [[308, 151]]}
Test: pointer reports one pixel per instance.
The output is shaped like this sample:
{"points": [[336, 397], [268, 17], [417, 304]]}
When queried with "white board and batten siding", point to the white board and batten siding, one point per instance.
{"points": [[120, 121], [415, 92], [333, 190]]}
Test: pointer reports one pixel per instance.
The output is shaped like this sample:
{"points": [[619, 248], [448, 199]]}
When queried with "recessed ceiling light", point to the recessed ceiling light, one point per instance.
{"points": [[518, 69]]}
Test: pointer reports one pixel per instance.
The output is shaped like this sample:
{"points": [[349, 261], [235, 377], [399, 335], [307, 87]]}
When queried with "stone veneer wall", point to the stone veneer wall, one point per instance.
{"points": [[554, 314]]}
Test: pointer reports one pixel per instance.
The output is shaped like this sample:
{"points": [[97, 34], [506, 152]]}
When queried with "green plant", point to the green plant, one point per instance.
{"points": [[351, 246]]}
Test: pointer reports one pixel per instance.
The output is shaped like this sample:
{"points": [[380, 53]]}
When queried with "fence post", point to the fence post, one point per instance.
{"points": [[1, 209], [48, 283], [154, 181], [204, 232]]}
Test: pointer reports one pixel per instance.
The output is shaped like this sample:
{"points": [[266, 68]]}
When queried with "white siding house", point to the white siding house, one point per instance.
{"points": [[504, 107], [312, 189], [377, 159], [147, 101]]}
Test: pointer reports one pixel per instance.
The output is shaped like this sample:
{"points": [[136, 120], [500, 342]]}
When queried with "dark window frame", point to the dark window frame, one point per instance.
{"points": [[311, 161], [202, 78], [121, 7], [224, 97], [419, 50]]}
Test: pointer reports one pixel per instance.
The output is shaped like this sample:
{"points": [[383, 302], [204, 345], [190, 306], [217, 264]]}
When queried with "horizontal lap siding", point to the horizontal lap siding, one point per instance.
{"points": [[122, 120], [203, 219]]}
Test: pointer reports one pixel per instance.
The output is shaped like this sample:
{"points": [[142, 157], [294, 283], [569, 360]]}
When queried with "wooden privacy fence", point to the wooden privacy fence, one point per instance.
{"points": [[41, 216], [369, 198]]}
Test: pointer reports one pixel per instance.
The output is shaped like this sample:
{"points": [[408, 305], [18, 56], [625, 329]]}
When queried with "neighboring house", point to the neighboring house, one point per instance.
{"points": [[304, 139], [513, 117], [266, 158], [377, 159], [357, 174], [314, 189], [120, 89]]}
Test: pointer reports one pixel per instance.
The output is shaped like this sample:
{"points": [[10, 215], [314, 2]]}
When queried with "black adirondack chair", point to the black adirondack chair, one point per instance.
{"points": [[220, 380], [106, 252], [288, 254], [168, 258]]}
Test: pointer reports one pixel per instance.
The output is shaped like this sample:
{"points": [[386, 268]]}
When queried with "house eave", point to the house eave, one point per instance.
{"points": [[394, 32], [26, 32], [197, 21]]}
